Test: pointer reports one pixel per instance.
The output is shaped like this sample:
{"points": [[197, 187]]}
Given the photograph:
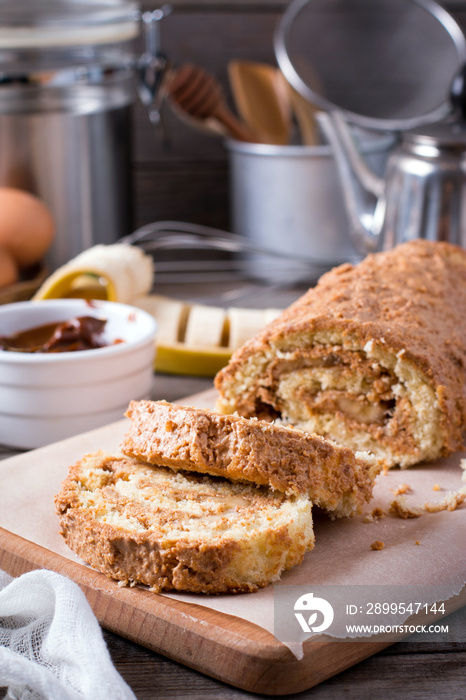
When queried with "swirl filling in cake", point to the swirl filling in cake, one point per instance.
{"points": [[374, 357]]}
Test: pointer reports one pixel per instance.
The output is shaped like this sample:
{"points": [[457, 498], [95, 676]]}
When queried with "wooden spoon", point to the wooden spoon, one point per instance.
{"points": [[262, 99], [198, 94], [305, 114]]}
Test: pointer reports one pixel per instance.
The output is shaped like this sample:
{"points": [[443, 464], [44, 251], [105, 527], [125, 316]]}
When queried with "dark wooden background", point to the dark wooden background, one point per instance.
{"points": [[187, 179]]}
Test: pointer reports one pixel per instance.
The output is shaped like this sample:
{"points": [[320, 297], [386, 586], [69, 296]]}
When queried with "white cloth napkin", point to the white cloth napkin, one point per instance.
{"points": [[51, 645]]}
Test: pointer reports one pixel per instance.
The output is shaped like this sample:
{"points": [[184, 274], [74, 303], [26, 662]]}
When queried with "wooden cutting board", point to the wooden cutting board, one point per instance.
{"points": [[223, 646]]}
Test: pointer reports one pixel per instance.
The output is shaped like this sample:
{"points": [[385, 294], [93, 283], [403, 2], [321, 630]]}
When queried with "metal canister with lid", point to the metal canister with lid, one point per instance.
{"points": [[425, 191], [67, 82], [386, 66]]}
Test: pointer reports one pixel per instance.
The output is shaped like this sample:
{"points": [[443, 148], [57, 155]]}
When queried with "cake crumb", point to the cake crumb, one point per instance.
{"points": [[401, 489], [400, 508], [452, 500], [437, 487], [377, 545], [377, 514], [417, 542]]}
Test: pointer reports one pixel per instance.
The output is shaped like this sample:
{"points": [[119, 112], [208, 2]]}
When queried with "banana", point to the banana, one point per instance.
{"points": [[116, 272], [171, 316], [192, 350], [205, 327], [244, 323], [197, 339], [198, 362], [191, 339]]}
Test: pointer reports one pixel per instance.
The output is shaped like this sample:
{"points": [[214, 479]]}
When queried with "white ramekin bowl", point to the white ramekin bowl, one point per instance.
{"points": [[48, 397]]}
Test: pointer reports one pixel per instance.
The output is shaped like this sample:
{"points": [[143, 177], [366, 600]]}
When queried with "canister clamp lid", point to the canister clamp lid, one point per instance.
{"points": [[33, 25]]}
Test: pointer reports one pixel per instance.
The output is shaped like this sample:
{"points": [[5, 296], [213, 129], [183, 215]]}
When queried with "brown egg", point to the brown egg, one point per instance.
{"points": [[26, 226], [8, 268]]}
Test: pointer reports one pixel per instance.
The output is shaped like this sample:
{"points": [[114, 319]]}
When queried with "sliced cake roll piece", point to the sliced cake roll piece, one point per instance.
{"points": [[251, 450], [373, 357], [176, 531]]}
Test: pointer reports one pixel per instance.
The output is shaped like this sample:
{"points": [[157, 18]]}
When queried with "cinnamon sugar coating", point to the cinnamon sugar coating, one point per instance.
{"points": [[373, 357], [250, 450]]}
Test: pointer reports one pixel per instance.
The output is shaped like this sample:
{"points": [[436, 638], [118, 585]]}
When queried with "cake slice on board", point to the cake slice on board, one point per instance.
{"points": [[139, 523], [250, 450]]}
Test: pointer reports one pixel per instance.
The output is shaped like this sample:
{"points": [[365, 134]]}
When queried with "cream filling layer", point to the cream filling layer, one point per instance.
{"points": [[402, 426], [367, 398]]}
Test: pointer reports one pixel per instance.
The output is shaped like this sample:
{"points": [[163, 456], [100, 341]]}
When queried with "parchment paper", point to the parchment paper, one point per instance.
{"points": [[342, 555]]}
